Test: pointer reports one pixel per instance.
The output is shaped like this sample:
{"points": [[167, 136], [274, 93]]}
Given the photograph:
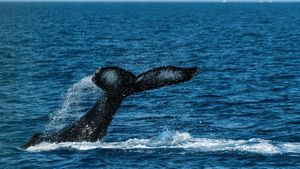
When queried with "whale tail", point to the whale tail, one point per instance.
{"points": [[117, 80], [118, 83]]}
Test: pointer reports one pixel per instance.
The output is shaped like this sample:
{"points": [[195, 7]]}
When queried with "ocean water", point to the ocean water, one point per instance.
{"points": [[241, 111]]}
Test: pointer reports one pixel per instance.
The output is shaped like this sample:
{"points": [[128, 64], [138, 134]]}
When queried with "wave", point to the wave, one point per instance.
{"points": [[179, 140]]}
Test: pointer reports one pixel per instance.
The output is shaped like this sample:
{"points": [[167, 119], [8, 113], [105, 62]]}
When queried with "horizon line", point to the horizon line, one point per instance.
{"points": [[161, 1]]}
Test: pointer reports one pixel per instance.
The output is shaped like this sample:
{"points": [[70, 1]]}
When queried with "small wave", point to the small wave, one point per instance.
{"points": [[175, 139]]}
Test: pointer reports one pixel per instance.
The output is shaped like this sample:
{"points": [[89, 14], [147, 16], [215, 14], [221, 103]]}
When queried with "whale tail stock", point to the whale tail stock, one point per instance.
{"points": [[117, 84], [118, 80]]}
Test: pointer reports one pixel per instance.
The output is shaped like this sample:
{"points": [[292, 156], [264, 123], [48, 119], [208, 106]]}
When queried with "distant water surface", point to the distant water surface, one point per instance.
{"points": [[241, 111]]}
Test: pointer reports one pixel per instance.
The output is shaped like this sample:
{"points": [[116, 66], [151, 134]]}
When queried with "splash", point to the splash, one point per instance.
{"points": [[80, 96], [180, 140]]}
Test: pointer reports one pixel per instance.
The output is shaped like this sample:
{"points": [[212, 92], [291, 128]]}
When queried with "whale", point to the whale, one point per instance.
{"points": [[117, 84]]}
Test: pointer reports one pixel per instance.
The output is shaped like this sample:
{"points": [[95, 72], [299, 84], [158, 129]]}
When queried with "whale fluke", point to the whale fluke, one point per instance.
{"points": [[117, 80], [163, 76], [116, 84]]}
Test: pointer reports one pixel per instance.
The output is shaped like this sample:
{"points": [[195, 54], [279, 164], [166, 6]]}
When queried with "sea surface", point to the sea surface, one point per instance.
{"points": [[241, 111]]}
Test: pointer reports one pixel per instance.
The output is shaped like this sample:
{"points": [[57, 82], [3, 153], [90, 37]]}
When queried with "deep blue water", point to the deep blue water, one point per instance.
{"points": [[241, 111]]}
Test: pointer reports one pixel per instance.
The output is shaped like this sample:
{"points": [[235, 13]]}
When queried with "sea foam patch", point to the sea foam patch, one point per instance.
{"points": [[179, 140]]}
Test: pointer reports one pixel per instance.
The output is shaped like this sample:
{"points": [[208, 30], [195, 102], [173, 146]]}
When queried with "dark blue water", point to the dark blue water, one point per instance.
{"points": [[241, 111]]}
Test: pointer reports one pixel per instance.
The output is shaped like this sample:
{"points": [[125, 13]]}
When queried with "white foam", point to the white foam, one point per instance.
{"points": [[175, 140], [81, 93]]}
